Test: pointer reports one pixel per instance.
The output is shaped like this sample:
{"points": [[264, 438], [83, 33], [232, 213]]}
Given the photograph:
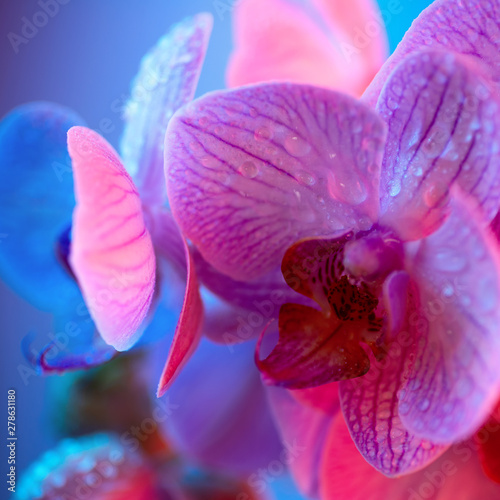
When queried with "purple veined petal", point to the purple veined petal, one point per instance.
{"points": [[455, 382], [220, 417], [303, 431], [189, 328], [167, 80], [251, 171], [444, 125], [345, 475], [370, 408], [468, 27], [111, 252]]}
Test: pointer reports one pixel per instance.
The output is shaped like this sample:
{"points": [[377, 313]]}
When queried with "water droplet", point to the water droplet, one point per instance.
{"points": [[203, 121], [306, 178], [296, 146], [424, 404], [347, 190], [448, 290], [448, 260], [248, 169], [395, 188], [263, 134]]}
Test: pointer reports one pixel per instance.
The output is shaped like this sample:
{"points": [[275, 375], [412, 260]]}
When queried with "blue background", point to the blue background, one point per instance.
{"points": [[85, 58]]}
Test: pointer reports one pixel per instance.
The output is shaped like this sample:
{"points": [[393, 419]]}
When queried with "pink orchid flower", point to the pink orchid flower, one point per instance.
{"points": [[378, 217]]}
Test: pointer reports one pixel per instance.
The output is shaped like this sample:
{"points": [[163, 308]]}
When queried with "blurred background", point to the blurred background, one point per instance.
{"points": [[85, 58]]}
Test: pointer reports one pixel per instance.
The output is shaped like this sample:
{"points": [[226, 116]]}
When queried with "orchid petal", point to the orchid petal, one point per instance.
{"points": [[166, 305], [455, 475], [370, 407], [317, 42], [324, 397], [225, 422], [303, 431], [456, 379], [111, 253], [77, 345], [396, 288], [189, 329], [312, 350], [167, 80], [488, 442], [443, 130], [252, 171], [36, 200], [468, 27]]}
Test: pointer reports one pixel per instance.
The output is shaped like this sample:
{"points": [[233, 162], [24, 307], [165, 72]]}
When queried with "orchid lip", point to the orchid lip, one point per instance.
{"points": [[345, 277]]}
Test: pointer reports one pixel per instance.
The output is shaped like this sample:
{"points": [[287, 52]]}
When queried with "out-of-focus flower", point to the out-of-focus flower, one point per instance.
{"points": [[44, 251], [215, 415], [328, 43], [378, 218], [102, 467]]}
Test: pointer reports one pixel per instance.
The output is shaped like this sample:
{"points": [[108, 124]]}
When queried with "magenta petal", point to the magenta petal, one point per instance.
{"points": [[468, 27], [370, 407], [167, 80], [303, 430], [456, 379], [318, 42], [395, 289], [443, 129], [111, 252], [253, 170], [456, 475], [189, 328]]}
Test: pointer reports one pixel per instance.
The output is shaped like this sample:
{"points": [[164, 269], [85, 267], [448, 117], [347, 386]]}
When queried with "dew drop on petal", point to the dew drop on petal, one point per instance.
{"points": [[449, 261], [296, 146], [306, 178], [395, 188], [263, 134], [248, 169]]}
